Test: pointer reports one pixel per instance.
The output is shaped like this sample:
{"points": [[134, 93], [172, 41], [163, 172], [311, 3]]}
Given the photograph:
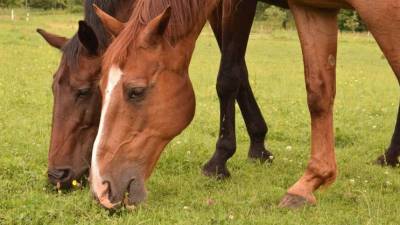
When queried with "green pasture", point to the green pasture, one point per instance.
{"points": [[365, 111]]}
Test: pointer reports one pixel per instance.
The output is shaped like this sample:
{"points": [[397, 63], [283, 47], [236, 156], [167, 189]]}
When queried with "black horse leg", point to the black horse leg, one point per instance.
{"points": [[391, 156], [255, 123], [226, 144], [232, 35]]}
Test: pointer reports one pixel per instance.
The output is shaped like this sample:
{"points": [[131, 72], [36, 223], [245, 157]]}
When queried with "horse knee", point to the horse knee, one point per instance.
{"points": [[228, 81], [320, 94]]}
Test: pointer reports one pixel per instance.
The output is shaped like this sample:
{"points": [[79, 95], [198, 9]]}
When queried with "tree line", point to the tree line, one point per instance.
{"points": [[278, 18], [42, 4]]}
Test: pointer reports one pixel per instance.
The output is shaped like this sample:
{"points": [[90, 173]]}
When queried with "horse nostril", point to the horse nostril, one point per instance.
{"points": [[108, 197], [108, 188], [112, 193], [137, 192], [57, 175]]}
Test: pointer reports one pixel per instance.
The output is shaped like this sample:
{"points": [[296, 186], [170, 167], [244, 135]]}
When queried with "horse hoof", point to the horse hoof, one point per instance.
{"points": [[218, 172], [383, 160], [292, 201], [262, 156]]}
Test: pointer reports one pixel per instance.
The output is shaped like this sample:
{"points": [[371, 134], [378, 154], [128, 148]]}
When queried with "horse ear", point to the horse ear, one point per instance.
{"points": [[88, 38], [53, 40], [155, 29], [112, 25]]}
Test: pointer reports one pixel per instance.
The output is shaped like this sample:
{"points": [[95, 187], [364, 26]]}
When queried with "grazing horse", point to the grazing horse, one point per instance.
{"points": [[148, 97], [77, 101]]}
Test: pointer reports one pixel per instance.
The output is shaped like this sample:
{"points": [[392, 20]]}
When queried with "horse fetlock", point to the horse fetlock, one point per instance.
{"points": [[225, 149], [390, 158], [258, 152], [323, 174]]}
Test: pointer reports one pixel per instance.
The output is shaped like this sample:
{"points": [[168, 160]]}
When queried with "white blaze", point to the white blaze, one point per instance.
{"points": [[113, 78]]}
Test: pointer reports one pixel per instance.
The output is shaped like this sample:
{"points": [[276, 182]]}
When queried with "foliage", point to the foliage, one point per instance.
{"points": [[41, 4], [365, 110], [348, 20]]}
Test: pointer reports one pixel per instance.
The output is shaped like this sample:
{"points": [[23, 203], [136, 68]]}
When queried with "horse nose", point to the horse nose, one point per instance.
{"points": [[60, 177]]}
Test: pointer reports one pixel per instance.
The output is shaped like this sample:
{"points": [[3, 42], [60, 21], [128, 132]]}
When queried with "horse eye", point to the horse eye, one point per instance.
{"points": [[83, 92], [136, 93]]}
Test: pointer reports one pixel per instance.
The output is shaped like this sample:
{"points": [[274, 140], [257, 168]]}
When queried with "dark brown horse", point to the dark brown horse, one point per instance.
{"points": [[148, 97], [77, 100]]}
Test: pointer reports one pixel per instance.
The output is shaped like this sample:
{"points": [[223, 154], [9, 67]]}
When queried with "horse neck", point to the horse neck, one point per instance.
{"points": [[211, 6], [186, 44]]}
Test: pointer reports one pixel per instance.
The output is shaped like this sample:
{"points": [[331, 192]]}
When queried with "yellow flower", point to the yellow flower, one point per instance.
{"points": [[74, 183]]}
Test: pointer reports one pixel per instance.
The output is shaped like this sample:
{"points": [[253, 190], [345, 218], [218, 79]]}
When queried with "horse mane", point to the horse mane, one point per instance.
{"points": [[184, 16], [73, 48]]}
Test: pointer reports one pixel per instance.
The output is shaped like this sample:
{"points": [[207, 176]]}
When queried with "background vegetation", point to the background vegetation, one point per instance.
{"points": [[75, 5], [348, 20], [365, 111], [276, 18]]}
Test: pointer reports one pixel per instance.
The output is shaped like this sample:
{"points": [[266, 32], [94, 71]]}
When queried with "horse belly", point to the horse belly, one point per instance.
{"points": [[328, 4]]}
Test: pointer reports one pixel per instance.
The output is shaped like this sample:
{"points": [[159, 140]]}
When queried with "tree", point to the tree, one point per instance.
{"points": [[349, 20], [48, 4], [10, 3]]}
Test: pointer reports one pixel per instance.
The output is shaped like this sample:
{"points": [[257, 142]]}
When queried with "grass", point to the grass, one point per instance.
{"points": [[365, 111]]}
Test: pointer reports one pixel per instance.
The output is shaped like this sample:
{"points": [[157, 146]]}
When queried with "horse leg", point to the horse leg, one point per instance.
{"points": [[317, 30], [256, 126], [255, 123], [234, 31], [215, 20], [392, 154], [383, 20], [254, 120]]}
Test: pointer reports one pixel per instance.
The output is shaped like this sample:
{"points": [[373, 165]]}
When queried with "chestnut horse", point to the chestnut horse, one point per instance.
{"points": [[148, 97], [77, 101]]}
